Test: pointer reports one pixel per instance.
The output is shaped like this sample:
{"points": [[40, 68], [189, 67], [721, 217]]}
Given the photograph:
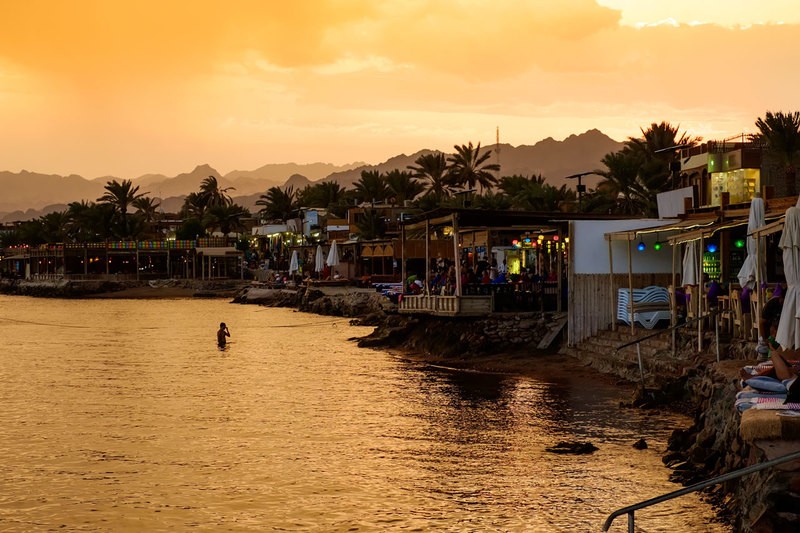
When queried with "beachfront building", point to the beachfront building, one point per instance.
{"points": [[531, 250], [205, 258], [732, 166]]}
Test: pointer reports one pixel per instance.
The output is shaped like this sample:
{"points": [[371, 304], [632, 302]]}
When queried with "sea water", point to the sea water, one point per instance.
{"points": [[123, 415]]}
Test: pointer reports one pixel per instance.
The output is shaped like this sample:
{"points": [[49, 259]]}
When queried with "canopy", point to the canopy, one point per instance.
{"points": [[751, 270], [333, 255], [293, 263], [788, 335], [319, 259], [690, 261]]}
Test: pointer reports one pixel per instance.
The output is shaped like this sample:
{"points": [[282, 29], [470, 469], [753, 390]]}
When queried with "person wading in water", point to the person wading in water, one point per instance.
{"points": [[221, 334]]}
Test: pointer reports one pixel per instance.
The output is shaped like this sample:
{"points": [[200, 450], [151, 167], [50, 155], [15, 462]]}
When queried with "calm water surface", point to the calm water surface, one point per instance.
{"points": [[122, 415]]}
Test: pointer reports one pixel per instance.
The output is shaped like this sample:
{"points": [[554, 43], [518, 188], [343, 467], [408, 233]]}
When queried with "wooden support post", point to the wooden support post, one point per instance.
{"points": [[612, 297], [427, 256], [630, 288], [457, 256]]}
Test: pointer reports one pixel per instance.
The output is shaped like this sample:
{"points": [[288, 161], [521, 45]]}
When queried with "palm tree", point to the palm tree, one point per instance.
{"points": [[279, 204], [402, 186], [658, 149], [194, 205], [121, 196], [781, 132], [147, 209], [213, 194], [371, 225], [468, 167], [226, 218], [533, 194], [371, 187], [432, 168], [323, 194], [493, 201], [54, 226], [622, 183]]}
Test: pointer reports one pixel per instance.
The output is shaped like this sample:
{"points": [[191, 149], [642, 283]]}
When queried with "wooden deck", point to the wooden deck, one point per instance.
{"points": [[446, 305]]}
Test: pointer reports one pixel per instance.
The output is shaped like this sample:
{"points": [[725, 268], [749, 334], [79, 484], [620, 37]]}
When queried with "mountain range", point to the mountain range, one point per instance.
{"points": [[28, 195]]}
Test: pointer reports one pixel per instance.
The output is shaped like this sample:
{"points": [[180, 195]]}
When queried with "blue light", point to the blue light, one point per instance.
{"points": [[712, 247], [641, 246]]}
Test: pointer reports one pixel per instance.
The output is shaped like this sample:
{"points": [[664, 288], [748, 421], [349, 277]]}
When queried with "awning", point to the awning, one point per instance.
{"points": [[220, 251], [706, 231], [681, 225], [768, 229], [18, 257], [367, 250]]}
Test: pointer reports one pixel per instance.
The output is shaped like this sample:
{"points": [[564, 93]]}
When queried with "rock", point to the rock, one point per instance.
{"points": [[640, 444], [573, 447]]}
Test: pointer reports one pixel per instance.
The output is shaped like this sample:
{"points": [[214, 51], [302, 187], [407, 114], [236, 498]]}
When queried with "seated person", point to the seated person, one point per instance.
{"points": [[416, 286], [770, 313], [499, 278], [713, 290]]}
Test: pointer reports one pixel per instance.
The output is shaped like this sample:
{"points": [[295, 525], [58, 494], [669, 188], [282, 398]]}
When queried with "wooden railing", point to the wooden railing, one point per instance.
{"points": [[446, 305]]}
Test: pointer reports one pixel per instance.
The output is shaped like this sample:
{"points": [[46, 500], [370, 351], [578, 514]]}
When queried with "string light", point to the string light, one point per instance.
{"points": [[641, 246]]}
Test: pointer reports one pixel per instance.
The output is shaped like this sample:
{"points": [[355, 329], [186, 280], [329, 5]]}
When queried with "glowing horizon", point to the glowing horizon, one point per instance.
{"points": [[98, 88]]}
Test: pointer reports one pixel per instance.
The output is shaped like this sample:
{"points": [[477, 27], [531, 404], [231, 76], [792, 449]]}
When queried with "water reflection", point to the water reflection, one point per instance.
{"points": [[145, 425]]}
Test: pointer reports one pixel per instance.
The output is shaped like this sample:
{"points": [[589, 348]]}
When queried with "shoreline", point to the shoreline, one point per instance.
{"points": [[506, 345]]}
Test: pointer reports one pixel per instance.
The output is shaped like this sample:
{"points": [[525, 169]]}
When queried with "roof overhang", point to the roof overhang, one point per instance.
{"points": [[706, 232], [680, 226]]}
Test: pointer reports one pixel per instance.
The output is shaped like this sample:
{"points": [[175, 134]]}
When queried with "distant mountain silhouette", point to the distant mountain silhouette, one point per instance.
{"points": [[31, 190], [552, 159], [29, 195]]}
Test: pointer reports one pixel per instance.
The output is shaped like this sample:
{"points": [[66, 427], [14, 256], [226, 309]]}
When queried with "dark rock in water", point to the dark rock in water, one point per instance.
{"points": [[640, 444], [574, 447]]}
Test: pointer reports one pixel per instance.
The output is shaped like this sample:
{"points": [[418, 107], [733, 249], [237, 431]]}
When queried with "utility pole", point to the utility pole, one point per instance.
{"points": [[581, 188]]}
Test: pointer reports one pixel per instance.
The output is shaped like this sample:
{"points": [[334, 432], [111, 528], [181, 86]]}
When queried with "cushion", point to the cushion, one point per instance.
{"points": [[766, 383]]}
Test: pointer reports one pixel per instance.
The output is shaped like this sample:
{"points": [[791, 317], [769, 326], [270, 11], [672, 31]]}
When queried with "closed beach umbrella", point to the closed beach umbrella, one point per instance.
{"points": [[689, 276], [333, 255], [293, 263], [788, 334], [319, 259], [748, 273]]}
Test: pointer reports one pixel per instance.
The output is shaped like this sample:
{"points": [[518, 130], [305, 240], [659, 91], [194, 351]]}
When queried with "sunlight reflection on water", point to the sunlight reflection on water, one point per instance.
{"points": [[123, 415]]}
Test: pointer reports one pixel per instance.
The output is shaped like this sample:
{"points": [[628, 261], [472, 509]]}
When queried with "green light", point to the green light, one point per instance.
{"points": [[657, 246], [739, 243]]}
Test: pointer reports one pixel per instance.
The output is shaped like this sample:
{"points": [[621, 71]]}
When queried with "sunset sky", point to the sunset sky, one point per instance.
{"points": [[120, 88]]}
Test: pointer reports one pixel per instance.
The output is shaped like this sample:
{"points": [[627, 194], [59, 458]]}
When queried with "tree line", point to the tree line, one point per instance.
{"points": [[630, 181]]}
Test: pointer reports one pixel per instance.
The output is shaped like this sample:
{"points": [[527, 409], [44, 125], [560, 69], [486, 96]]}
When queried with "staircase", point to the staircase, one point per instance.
{"points": [[600, 353]]}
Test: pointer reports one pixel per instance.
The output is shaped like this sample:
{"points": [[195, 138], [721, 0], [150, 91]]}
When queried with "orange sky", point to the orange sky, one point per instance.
{"points": [[127, 88]]}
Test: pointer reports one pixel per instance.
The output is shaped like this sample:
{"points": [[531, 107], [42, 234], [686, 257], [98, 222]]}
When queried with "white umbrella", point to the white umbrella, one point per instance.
{"points": [[319, 259], [333, 255], [293, 263], [689, 276], [788, 334], [751, 270]]}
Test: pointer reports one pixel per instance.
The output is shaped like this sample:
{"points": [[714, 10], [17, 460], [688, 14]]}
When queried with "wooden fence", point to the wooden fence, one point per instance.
{"points": [[592, 301]]}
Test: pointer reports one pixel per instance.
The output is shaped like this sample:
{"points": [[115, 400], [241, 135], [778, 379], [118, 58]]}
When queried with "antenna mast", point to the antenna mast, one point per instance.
{"points": [[497, 149]]}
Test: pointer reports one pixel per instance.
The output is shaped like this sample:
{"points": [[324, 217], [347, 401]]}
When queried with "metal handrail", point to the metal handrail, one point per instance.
{"points": [[631, 509], [667, 330], [638, 341]]}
